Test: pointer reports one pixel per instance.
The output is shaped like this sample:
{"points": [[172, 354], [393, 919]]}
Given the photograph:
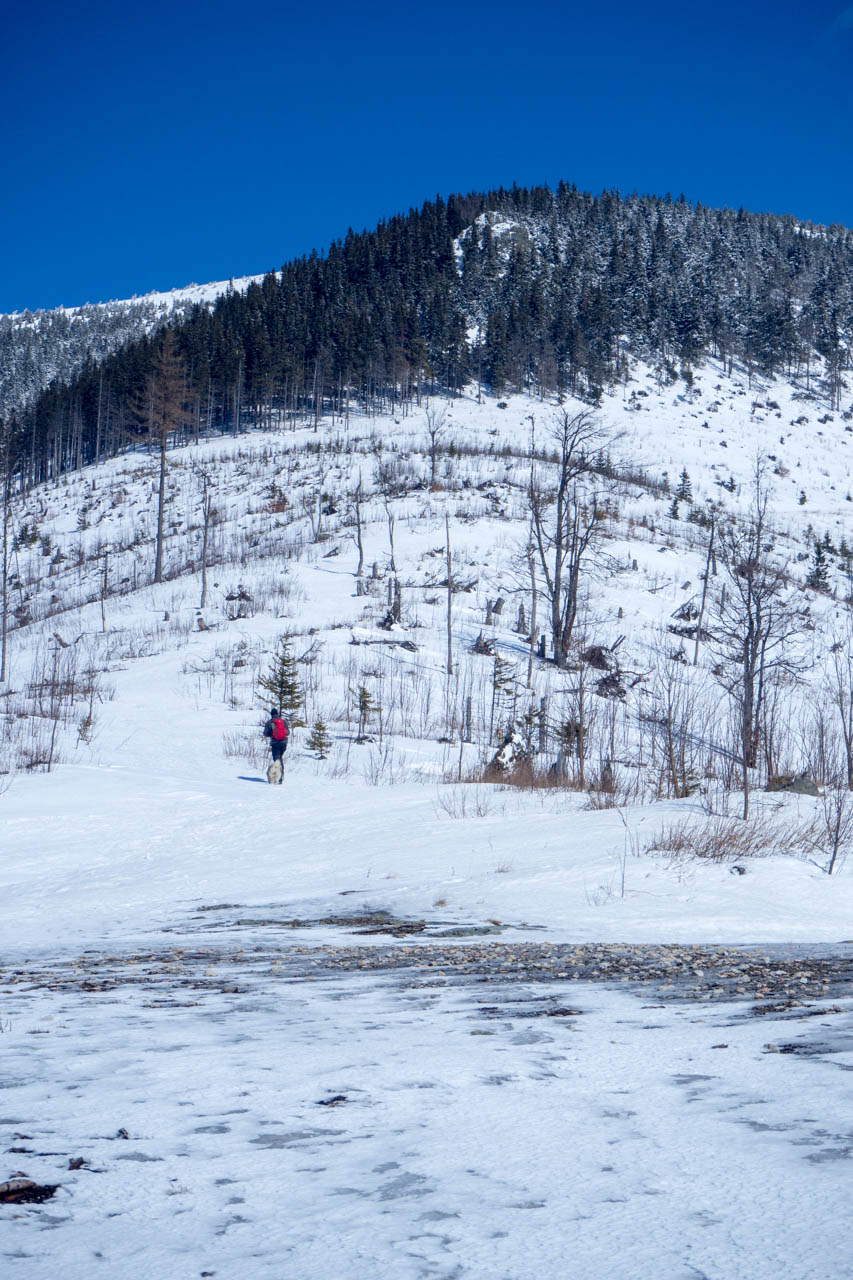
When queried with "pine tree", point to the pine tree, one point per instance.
{"points": [[319, 739], [684, 492], [366, 707], [384, 310], [818, 575], [282, 683]]}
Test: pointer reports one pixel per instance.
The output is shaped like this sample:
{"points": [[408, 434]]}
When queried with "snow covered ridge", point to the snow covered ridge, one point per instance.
{"points": [[37, 347], [162, 300]]}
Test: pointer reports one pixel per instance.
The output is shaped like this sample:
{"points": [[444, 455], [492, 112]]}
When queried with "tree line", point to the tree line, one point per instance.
{"points": [[521, 288]]}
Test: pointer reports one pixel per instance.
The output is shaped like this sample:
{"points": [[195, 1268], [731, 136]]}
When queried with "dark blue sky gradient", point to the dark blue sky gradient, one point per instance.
{"points": [[149, 146]]}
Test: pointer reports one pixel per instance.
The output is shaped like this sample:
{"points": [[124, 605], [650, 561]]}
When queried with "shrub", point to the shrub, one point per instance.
{"points": [[720, 838]]}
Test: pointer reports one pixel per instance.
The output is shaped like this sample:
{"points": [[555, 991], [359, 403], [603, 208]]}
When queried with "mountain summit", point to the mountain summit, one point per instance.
{"points": [[536, 290]]}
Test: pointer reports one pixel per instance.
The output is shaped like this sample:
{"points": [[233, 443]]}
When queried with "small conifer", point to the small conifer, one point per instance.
{"points": [[319, 739], [366, 707], [818, 575], [282, 683], [684, 492]]}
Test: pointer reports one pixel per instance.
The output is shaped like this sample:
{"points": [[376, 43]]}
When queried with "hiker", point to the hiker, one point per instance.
{"points": [[278, 731]]}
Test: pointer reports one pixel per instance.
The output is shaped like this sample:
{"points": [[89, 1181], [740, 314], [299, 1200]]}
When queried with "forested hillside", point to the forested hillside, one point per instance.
{"points": [[544, 291], [41, 347]]}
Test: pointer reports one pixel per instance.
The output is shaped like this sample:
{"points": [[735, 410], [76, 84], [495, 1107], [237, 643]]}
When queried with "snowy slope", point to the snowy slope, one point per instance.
{"points": [[167, 698], [165, 1015]]}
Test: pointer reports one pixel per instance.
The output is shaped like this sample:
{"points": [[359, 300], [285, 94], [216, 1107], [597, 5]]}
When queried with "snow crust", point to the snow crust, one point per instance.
{"points": [[633, 1139]]}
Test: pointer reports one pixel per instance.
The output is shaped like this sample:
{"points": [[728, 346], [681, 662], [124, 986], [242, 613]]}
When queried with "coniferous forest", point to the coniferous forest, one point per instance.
{"points": [[523, 288]]}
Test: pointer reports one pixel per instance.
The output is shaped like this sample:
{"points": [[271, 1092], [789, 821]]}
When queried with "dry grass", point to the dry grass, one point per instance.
{"points": [[462, 801], [720, 838], [250, 747], [526, 777]]}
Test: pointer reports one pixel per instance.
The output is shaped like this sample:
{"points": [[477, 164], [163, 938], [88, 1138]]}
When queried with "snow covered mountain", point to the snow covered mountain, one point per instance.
{"points": [[40, 347], [549, 292], [603, 646], [554, 579]]}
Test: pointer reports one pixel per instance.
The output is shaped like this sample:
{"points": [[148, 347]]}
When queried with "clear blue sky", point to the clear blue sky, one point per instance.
{"points": [[148, 146]]}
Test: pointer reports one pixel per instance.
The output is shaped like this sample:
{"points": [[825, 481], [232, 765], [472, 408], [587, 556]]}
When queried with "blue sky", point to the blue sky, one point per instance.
{"points": [[149, 146]]}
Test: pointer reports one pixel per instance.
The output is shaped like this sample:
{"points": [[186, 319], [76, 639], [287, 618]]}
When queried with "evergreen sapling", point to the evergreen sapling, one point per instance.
{"points": [[319, 739], [818, 575], [283, 685], [684, 492]]}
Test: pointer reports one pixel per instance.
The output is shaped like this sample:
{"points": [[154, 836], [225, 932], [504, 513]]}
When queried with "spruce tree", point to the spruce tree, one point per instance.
{"points": [[319, 739], [282, 683], [366, 707], [818, 575], [684, 492]]}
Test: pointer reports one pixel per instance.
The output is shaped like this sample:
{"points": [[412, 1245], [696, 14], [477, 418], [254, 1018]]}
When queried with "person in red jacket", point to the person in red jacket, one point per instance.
{"points": [[278, 731]]}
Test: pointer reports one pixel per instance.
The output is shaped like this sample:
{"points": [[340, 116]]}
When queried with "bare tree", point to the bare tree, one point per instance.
{"points": [[163, 407], [818, 740], [835, 822], [208, 515], [531, 568], [449, 596], [105, 583], [564, 520], [754, 624], [359, 541], [675, 714], [4, 587], [573, 730], [389, 515], [579, 714], [436, 423], [776, 725], [709, 562], [841, 692]]}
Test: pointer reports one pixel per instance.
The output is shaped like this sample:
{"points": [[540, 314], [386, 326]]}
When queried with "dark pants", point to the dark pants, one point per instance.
{"points": [[278, 749]]}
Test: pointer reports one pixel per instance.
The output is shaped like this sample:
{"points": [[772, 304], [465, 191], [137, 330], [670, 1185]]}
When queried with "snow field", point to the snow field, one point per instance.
{"points": [[475, 1138]]}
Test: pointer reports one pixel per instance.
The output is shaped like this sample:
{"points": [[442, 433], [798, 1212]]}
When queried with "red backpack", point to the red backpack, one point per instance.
{"points": [[279, 730]]}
